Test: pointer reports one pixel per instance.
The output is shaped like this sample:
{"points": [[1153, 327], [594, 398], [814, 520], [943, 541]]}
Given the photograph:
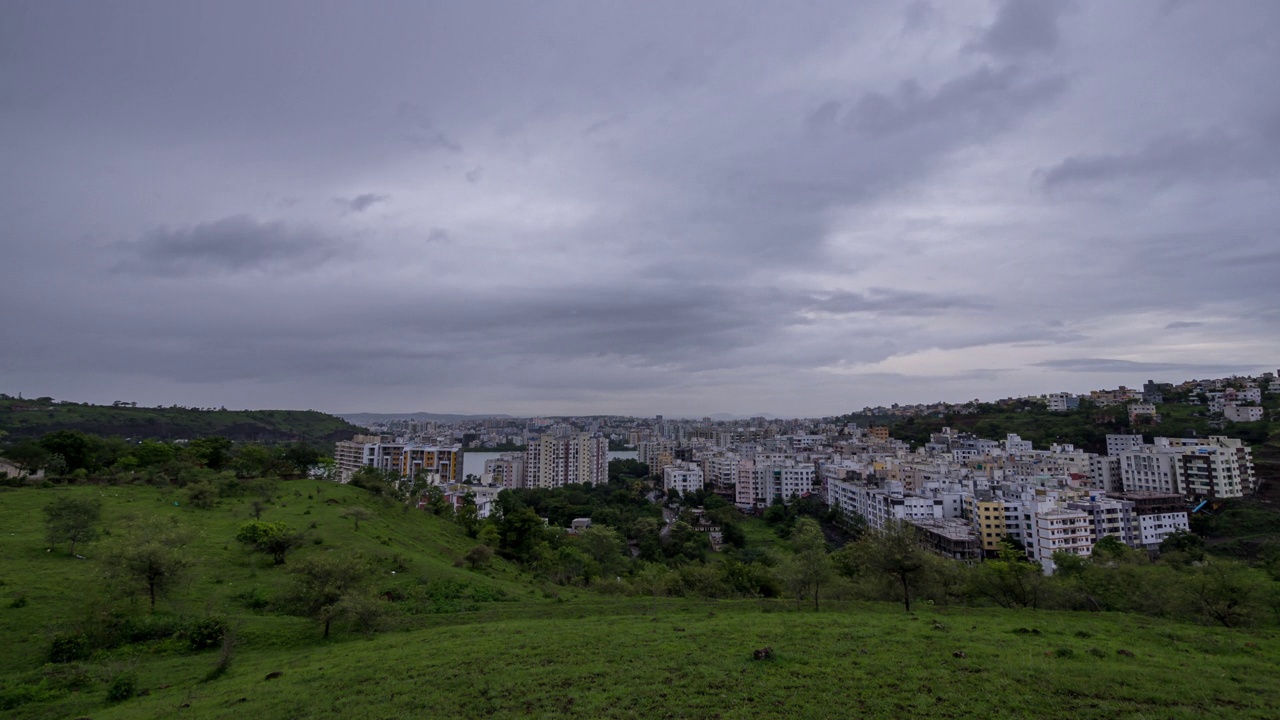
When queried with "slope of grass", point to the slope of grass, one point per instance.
{"points": [[55, 588], [554, 652], [694, 660]]}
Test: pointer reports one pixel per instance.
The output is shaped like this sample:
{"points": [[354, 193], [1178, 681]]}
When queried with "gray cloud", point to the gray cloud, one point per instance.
{"points": [[650, 207], [982, 97], [1108, 365], [1023, 27], [1171, 159], [363, 202], [233, 244]]}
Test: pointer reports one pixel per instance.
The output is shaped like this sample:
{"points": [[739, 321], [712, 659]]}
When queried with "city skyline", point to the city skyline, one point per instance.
{"points": [[634, 209]]}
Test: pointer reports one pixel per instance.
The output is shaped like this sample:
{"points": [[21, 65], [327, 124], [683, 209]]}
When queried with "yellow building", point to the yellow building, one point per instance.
{"points": [[987, 517]]}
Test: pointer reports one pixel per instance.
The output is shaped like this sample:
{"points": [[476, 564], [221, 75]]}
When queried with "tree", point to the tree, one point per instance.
{"points": [[148, 558], [1188, 544], [436, 501], [356, 513], [212, 452], [603, 545], [1109, 547], [72, 519], [27, 456], [810, 566], [1224, 591], [76, 448], [468, 515], [300, 457], [896, 554], [326, 587], [274, 539], [1010, 580], [478, 556]]}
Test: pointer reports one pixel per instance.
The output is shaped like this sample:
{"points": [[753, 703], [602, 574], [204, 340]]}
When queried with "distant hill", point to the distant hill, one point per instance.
{"points": [[33, 418], [366, 419]]}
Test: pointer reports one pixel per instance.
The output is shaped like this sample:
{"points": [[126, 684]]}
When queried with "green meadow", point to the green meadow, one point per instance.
{"points": [[496, 642]]}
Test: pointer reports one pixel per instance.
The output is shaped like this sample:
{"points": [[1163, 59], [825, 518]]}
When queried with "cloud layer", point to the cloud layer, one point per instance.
{"points": [[637, 208]]}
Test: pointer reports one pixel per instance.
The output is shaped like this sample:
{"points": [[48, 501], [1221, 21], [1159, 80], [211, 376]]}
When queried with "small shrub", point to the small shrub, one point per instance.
{"points": [[206, 633], [69, 648], [317, 540], [252, 599], [122, 687], [19, 602], [1064, 652], [224, 658], [1083, 634], [1097, 652]]}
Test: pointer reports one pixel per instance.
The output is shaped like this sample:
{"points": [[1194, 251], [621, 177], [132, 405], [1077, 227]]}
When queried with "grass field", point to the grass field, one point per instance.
{"points": [[555, 652]]}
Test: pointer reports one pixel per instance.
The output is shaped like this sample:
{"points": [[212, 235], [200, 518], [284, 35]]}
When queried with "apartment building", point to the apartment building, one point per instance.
{"points": [[558, 461], [1108, 516], [441, 463], [1158, 515], [1242, 413], [506, 470], [1062, 530], [682, 477]]}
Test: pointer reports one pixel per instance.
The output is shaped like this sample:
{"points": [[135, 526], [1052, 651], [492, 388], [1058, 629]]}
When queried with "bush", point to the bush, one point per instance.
{"points": [[206, 633], [69, 648], [252, 599], [122, 687], [19, 602]]}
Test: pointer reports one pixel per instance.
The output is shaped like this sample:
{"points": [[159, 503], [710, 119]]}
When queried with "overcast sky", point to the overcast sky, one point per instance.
{"points": [[636, 208]]}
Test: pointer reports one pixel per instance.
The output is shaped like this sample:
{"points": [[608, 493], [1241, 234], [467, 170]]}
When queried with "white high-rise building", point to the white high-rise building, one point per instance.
{"points": [[552, 461]]}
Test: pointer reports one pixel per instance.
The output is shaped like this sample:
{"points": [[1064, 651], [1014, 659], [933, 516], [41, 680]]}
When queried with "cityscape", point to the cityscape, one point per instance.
{"points": [[964, 493], [639, 359]]}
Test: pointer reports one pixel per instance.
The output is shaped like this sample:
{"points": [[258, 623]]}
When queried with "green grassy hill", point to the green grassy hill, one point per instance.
{"points": [[32, 418], [497, 643], [694, 659]]}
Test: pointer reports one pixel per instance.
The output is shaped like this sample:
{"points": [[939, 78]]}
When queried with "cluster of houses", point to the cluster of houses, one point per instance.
{"points": [[966, 494]]}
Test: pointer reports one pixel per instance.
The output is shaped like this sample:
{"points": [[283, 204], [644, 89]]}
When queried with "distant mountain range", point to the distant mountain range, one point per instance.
{"points": [[366, 419]]}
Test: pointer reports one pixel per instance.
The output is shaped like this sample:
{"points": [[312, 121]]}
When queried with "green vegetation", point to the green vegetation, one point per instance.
{"points": [[23, 419], [184, 608]]}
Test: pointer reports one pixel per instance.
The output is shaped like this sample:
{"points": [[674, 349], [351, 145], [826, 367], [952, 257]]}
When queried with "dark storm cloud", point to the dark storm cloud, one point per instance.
{"points": [[1195, 158], [645, 207], [977, 99], [363, 202], [233, 244], [1023, 27]]}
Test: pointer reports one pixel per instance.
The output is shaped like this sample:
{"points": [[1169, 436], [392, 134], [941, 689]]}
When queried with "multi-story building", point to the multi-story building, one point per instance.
{"points": [[1119, 444], [506, 470], [440, 463], [552, 461], [988, 519], [684, 478], [1062, 530], [1158, 515], [1242, 413], [1062, 402], [1108, 516]]}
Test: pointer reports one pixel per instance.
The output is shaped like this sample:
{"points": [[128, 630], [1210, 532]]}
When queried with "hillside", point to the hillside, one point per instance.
{"points": [[32, 418], [497, 642]]}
